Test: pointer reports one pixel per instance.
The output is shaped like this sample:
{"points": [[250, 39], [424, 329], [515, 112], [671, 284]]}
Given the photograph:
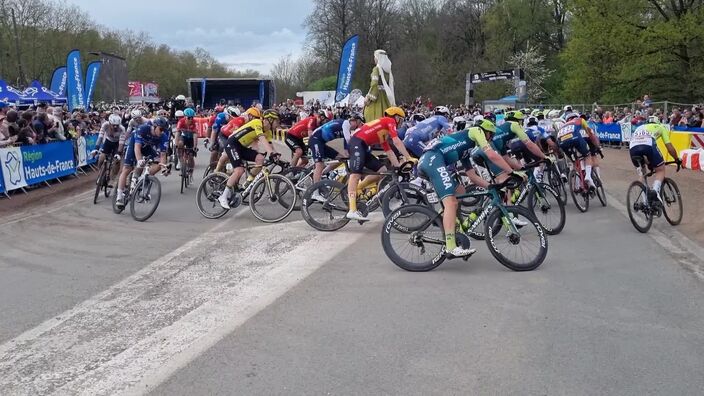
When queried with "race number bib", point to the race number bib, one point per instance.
{"points": [[565, 133], [640, 137]]}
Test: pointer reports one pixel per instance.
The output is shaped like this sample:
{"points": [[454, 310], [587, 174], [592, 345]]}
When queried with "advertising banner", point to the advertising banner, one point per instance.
{"points": [[135, 88], [348, 59], [84, 146], [610, 133], [151, 90], [26, 165], [202, 126], [92, 73], [58, 81], [76, 96]]}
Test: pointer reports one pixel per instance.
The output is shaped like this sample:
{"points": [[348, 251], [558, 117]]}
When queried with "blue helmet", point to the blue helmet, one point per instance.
{"points": [[221, 117], [162, 123], [189, 112]]}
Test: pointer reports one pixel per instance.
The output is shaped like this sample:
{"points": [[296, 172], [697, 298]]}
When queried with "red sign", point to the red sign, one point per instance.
{"points": [[136, 88]]}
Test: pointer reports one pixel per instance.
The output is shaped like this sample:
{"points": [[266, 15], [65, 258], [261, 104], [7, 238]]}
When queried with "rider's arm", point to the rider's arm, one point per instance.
{"points": [[523, 137], [265, 143], [665, 136], [138, 151], [479, 138]]}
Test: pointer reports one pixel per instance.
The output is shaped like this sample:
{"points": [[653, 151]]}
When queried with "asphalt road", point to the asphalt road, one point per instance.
{"points": [[95, 303]]}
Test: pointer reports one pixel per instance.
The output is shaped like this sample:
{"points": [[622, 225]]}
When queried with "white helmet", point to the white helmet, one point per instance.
{"points": [[478, 118], [181, 97], [136, 113], [114, 119], [179, 114], [554, 114], [442, 110], [233, 111], [567, 108], [571, 115]]}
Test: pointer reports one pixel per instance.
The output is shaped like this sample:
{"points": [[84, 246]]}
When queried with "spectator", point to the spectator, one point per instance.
{"points": [[684, 120], [4, 133], [675, 117], [608, 118], [638, 119], [695, 120], [647, 102]]}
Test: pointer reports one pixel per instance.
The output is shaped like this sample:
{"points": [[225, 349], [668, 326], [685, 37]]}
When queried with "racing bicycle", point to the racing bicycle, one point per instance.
{"points": [[642, 208], [144, 193], [105, 178]]}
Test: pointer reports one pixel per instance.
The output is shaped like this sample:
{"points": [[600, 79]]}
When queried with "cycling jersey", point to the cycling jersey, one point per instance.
{"points": [[144, 136], [109, 133], [186, 127], [301, 128], [537, 133], [377, 132], [135, 123], [218, 121], [416, 137], [248, 133], [648, 134], [570, 137], [233, 125], [335, 129], [505, 133]]}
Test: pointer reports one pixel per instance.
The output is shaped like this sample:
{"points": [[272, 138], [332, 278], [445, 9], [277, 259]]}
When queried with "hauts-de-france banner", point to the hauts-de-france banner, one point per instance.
{"points": [[92, 73], [75, 94], [27, 165], [348, 59], [58, 81]]}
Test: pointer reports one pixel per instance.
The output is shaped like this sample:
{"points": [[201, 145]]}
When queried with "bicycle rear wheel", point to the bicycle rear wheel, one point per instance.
{"points": [[548, 209], [638, 207], [301, 181], [522, 250], [555, 181], [600, 191], [276, 197], [208, 193], [413, 238], [145, 198], [401, 194], [672, 201], [579, 196], [329, 215]]}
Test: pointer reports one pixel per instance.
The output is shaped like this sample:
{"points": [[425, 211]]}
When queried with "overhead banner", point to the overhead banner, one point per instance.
{"points": [[348, 59], [75, 94], [498, 75], [27, 165], [92, 73], [58, 81]]}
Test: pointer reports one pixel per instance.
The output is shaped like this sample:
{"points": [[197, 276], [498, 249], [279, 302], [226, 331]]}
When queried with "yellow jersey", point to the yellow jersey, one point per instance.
{"points": [[250, 132]]}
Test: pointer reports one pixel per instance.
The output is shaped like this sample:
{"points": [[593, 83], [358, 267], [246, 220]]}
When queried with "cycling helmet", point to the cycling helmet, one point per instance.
{"points": [[571, 115], [322, 113], [254, 112], [653, 120], [418, 117], [539, 115], [535, 112], [525, 110], [233, 111], [114, 119], [179, 113], [271, 114], [357, 116], [161, 113], [477, 120], [498, 111], [567, 108], [553, 114], [395, 111], [487, 126], [515, 115], [442, 110], [136, 113], [162, 123], [532, 120], [460, 123], [189, 113], [181, 97]]}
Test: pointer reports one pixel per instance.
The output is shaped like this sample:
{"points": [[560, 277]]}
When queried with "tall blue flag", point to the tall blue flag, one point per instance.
{"points": [[74, 83], [58, 81], [92, 73], [202, 92], [261, 92], [346, 70]]}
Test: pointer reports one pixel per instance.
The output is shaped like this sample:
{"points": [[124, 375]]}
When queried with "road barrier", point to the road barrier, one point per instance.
{"points": [[24, 166], [692, 159], [682, 138]]}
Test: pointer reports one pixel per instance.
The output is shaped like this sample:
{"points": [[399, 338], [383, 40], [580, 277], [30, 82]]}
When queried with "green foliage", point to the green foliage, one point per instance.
{"points": [[324, 84]]}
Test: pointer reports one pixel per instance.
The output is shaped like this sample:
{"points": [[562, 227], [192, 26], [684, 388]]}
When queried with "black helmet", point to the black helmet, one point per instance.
{"points": [[162, 123]]}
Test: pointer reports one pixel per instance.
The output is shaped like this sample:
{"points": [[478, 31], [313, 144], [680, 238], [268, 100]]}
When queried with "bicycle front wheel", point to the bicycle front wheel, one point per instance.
{"points": [[99, 184], [413, 238], [276, 198], [401, 194], [145, 198], [548, 209], [579, 196], [301, 181], [518, 248], [672, 201], [600, 191], [638, 207], [328, 213], [208, 193]]}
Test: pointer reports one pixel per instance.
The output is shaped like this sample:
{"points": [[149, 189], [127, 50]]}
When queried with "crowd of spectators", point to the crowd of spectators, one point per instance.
{"points": [[637, 113]]}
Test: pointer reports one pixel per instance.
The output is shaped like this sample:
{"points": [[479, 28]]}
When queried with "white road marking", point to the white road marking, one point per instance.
{"points": [[134, 335]]}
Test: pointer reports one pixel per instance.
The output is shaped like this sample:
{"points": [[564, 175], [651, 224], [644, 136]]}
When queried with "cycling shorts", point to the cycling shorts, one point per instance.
{"points": [[109, 148], [652, 153], [295, 142], [432, 165], [320, 149], [237, 153], [148, 152], [480, 159], [519, 149], [578, 143], [361, 157], [414, 146], [187, 141]]}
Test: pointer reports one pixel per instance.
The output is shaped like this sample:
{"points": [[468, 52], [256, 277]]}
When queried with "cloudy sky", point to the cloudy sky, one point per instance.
{"points": [[241, 34]]}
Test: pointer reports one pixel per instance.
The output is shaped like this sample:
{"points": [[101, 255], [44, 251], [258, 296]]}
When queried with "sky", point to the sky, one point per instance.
{"points": [[240, 34]]}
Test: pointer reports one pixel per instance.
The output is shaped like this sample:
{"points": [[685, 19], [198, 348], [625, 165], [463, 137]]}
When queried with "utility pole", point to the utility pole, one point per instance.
{"points": [[20, 71]]}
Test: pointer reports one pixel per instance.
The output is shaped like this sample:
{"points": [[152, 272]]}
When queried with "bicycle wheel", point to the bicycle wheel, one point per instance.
{"points": [[145, 198], [184, 176], [579, 196], [107, 188], [555, 181], [301, 181], [522, 249], [672, 201], [208, 170], [600, 191], [639, 207], [413, 238], [208, 193], [99, 184], [331, 214], [394, 197], [276, 198], [548, 209]]}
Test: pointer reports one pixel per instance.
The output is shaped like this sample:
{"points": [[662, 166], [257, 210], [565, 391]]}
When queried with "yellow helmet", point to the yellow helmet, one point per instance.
{"points": [[272, 114], [516, 115], [254, 112], [395, 111], [487, 125]]}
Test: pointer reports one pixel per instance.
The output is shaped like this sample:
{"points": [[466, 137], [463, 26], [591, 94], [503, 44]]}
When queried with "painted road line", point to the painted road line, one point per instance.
{"points": [[136, 334]]}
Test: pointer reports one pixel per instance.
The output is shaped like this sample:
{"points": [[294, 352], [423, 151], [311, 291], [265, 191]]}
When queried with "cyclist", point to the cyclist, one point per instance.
{"points": [[238, 148], [136, 121], [571, 138], [444, 152], [232, 125], [187, 138], [424, 131], [335, 129], [644, 144], [111, 139], [593, 143], [459, 123], [295, 135], [218, 137], [512, 135], [371, 133], [543, 139], [147, 142]]}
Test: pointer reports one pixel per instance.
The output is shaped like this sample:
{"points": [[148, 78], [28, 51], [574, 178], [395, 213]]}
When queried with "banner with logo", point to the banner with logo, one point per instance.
{"points": [[27, 165], [84, 146], [74, 85], [348, 59], [135, 88], [610, 133], [151, 90], [58, 81], [8, 94], [2, 185], [92, 73]]}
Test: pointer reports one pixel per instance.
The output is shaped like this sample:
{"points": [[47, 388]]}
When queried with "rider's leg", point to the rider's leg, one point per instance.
{"points": [[296, 155], [221, 162]]}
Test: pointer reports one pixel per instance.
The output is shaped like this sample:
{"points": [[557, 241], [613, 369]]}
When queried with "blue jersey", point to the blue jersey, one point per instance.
{"points": [[144, 136], [536, 133], [331, 130], [424, 130], [220, 120]]}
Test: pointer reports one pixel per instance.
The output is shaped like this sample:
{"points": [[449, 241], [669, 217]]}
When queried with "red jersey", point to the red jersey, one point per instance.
{"points": [[233, 125], [184, 124], [378, 132], [300, 130], [211, 120]]}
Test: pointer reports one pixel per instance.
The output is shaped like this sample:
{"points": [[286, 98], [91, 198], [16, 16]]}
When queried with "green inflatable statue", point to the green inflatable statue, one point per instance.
{"points": [[381, 90]]}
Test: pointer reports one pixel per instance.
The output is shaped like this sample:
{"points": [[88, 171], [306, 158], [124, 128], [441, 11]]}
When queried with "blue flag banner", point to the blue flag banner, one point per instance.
{"points": [[261, 92], [607, 132], [92, 73], [27, 165], [74, 83], [8, 94], [202, 92], [58, 81], [348, 59]]}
